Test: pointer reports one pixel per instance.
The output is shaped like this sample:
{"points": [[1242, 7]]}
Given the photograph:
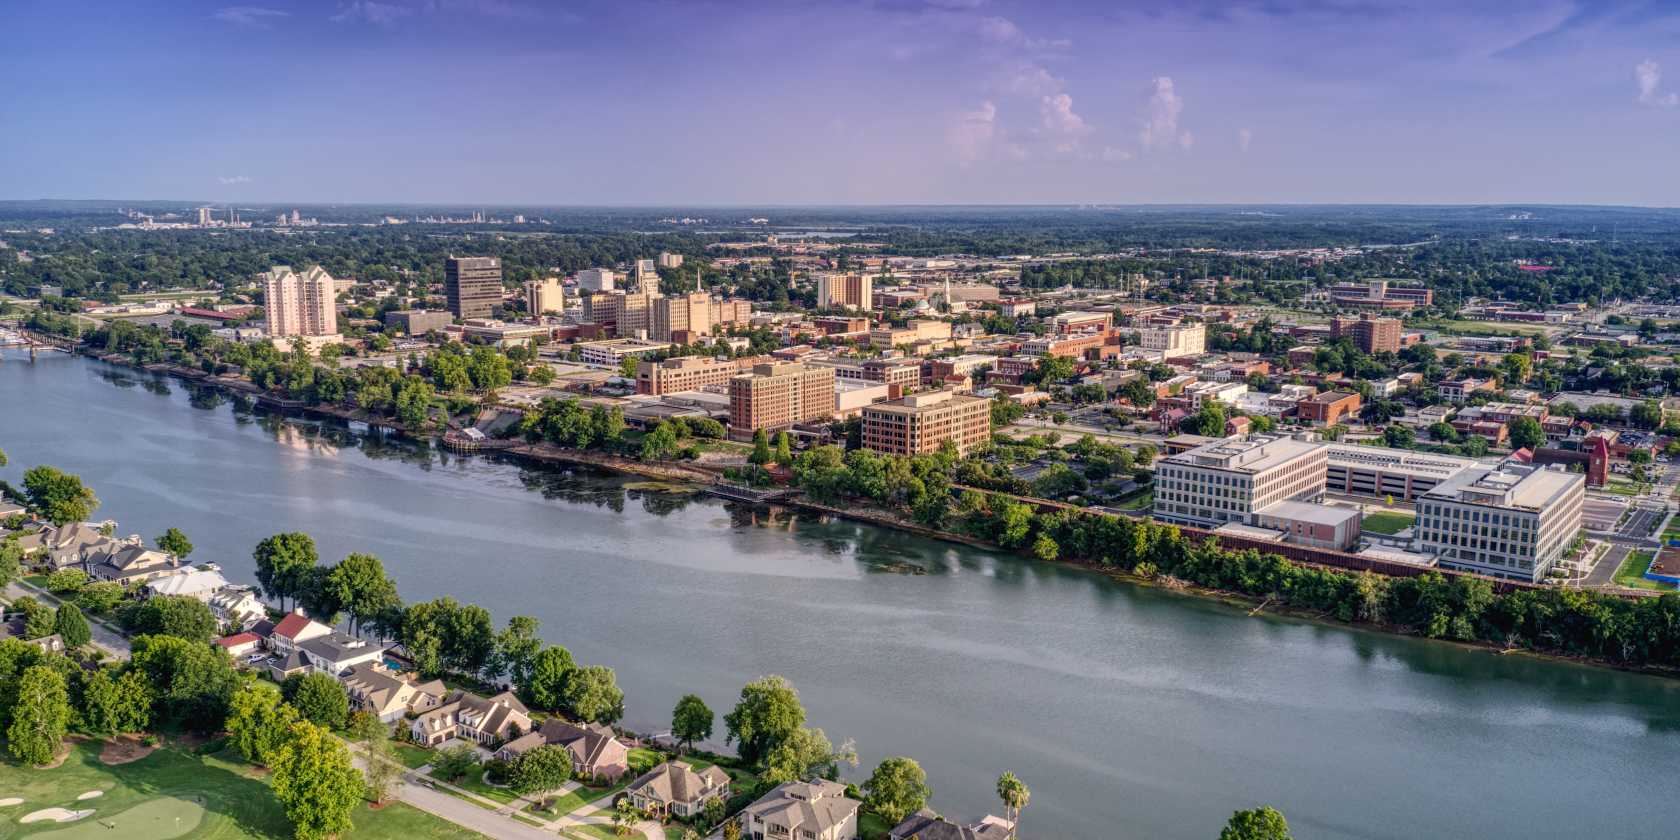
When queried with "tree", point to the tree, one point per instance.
{"points": [[551, 670], [191, 681], [380, 769], [1015, 796], [627, 367], [1209, 421], [40, 717], [784, 448], [1525, 433], [283, 564], [1263, 823], [71, 626], [320, 699], [360, 584], [593, 695], [542, 770], [58, 496], [691, 721], [805, 753], [181, 616], [258, 722], [896, 789], [112, 704], [768, 712], [1053, 368], [315, 782], [516, 651], [100, 597], [1399, 437], [625, 816], [11, 560], [761, 449], [66, 582], [1646, 415], [732, 830], [176, 543], [444, 635], [452, 763], [38, 619]]}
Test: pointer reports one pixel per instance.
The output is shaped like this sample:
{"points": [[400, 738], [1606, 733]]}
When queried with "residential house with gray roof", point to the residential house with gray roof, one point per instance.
{"points": [[464, 715], [132, 564], [676, 788], [927, 825], [335, 653], [388, 696], [596, 751], [815, 810]]}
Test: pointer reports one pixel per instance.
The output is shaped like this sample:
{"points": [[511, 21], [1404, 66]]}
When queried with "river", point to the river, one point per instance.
{"points": [[1131, 712]]}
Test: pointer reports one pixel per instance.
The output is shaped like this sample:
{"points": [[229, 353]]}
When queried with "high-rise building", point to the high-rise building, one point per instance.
{"points": [[204, 217], [1175, 340], [1369, 334], [683, 373], [647, 277], [472, 285], [845, 291], [596, 279], [920, 423], [631, 313], [544, 295], [682, 318], [773, 397], [1230, 480], [299, 304], [1512, 521], [670, 260]]}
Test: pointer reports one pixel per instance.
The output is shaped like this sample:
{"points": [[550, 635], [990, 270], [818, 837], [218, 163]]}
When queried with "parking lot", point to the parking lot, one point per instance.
{"points": [[1601, 514]]}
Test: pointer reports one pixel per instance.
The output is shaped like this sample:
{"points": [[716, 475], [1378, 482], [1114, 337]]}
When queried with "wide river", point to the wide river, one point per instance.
{"points": [[1131, 713]]}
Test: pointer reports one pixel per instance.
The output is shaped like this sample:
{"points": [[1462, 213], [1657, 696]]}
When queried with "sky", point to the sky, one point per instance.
{"points": [[697, 102]]}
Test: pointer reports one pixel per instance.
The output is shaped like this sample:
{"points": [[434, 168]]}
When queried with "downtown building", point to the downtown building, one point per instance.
{"points": [[1232, 480], [919, 424], [845, 291], [1369, 334], [1513, 521], [774, 397], [684, 373], [544, 296], [472, 285], [300, 305], [1175, 340], [682, 319]]}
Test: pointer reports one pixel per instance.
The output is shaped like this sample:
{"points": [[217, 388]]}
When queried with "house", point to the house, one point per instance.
{"points": [[816, 810], [12, 628], [283, 665], [293, 630], [676, 788], [134, 564], [11, 509], [237, 607], [926, 825], [388, 696], [596, 751], [464, 715], [335, 653], [69, 545], [240, 644], [198, 583]]}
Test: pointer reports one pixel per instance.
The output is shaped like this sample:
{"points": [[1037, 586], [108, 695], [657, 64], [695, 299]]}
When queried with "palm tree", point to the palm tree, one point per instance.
{"points": [[1015, 796]]}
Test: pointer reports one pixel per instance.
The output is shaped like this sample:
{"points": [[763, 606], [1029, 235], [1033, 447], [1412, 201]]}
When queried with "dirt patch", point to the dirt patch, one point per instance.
{"points": [[57, 760], [124, 749], [54, 815], [380, 806]]}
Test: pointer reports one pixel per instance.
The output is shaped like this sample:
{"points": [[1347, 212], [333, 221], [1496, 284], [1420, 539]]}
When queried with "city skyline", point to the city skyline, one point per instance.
{"points": [[500, 102]]}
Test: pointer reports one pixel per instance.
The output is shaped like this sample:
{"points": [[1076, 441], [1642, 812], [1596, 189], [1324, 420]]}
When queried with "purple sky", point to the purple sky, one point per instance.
{"points": [[892, 101]]}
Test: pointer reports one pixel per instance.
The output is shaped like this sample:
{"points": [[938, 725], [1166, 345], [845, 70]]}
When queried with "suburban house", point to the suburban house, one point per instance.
{"points": [[926, 825], [676, 788], [237, 607], [69, 545], [198, 583], [293, 630], [464, 715], [388, 696], [335, 653], [11, 509], [12, 628], [240, 644], [127, 564], [596, 751], [816, 810]]}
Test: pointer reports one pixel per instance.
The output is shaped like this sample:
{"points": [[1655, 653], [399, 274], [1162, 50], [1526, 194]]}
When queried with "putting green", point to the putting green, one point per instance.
{"points": [[163, 818]]}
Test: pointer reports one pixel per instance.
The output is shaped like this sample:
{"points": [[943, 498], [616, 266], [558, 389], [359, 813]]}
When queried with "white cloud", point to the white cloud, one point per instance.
{"points": [[1001, 30], [1061, 125], [236, 179], [370, 11], [1160, 121], [1030, 79], [252, 16], [1649, 76], [970, 135], [1112, 153], [1245, 136]]}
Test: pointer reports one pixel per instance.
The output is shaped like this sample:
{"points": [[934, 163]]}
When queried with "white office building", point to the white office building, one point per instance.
{"points": [[1229, 480], [1175, 340], [1512, 521]]}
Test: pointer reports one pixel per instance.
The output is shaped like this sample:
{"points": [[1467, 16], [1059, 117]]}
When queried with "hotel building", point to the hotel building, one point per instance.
{"points": [[544, 296], [1175, 340], [1512, 521], [845, 291], [773, 397], [684, 373]]}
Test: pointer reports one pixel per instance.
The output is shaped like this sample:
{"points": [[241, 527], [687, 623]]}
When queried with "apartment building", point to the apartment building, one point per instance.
{"points": [[1328, 408], [731, 313], [545, 295], [1458, 390], [1017, 307], [1228, 480], [774, 397], [299, 304], [472, 285], [670, 260], [1380, 472], [646, 274], [1512, 521], [1175, 340], [630, 313], [919, 424], [684, 373], [682, 318], [1370, 334], [845, 291]]}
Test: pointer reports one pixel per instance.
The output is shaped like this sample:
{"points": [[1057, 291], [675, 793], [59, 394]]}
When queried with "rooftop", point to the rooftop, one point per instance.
{"points": [[1508, 486], [1256, 454], [1307, 512]]}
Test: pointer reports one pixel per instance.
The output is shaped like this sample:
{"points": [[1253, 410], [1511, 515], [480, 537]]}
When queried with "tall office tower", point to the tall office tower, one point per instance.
{"points": [[472, 285], [682, 317], [596, 280], [845, 291], [299, 304], [647, 277], [544, 295]]}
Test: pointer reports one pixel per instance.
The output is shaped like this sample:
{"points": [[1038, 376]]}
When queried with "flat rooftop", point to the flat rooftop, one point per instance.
{"points": [[1397, 460], [1257, 454], [1308, 512], [1508, 486]]}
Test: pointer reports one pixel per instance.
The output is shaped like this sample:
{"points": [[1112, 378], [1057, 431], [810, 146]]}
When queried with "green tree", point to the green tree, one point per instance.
{"points": [[1525, 433], [40, 717], [66, 582], [58, 496], [173, 615], [100, 597], [897, 789], [11, 560], [283, 564], [624, 818], [175, 542], [761, 449], [1263, 823], [1398, 436], [380, 770], [190, 680], [115, 702], [516, 651], [1015, 796], [691, 721], [784, 448], [542, 770], [71, 626], [452, 763], [320, 699], [359, 583], [315, 783], [627, 367], [258, 722], [593, 695], [38, 619], [804, 753], [769, 712], [551, 670]]}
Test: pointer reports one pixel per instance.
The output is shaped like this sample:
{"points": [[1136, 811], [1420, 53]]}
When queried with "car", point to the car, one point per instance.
{"points": [[254, 659]]}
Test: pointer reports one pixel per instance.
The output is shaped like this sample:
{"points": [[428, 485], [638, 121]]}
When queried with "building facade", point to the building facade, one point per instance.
{"points": [[1175, 340], [845, 291], [596, 280], [472, 285], [544, 296], [773, 397], [921, 423], [682, 317], [1380, 472], [684, 373], [1513, 521], [1228, 480], [299, 304], [1369, 334]]}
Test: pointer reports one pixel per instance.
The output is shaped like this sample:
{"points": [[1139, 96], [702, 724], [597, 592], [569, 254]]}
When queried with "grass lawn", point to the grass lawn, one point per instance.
{"points": [[412, 756], [1388, 522], [1142, 501], [871, 826], [1632, 573], [172, 793], [1477, 327], [474, 781], [604, 832]]}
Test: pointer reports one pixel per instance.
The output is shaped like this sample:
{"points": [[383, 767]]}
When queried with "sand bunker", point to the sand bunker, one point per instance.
{"points": [[10, 801], [55, 815], [92, 794]]}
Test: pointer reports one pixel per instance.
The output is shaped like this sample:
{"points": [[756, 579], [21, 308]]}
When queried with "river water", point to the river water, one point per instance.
{"points": [[1131, 713]]}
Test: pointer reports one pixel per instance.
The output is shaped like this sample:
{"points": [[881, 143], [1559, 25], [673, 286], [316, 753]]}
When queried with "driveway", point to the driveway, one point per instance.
{"points": [[113, 643]]}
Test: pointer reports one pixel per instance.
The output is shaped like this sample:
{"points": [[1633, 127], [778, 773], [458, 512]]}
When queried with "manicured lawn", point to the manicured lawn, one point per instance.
{"points": [[474, 781], [604, 832], [1388, 522], [172, 793], [412, 756], [871, 826], [1622, 488], [1632, 573], [1142, 501]]}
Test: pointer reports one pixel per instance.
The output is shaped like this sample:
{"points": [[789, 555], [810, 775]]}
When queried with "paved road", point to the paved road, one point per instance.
{"points": [[459, 811], [104, 638], [1605, 571]]}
